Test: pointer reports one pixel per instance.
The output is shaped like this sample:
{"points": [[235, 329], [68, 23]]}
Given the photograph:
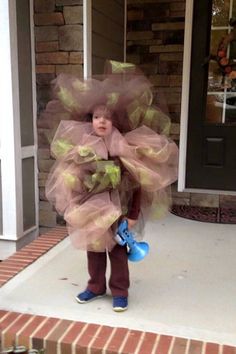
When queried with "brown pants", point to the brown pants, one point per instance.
{"points": [[119, 277]]}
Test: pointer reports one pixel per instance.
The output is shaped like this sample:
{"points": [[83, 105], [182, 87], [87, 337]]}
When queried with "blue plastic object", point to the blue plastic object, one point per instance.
{"points": [[136, 250]]}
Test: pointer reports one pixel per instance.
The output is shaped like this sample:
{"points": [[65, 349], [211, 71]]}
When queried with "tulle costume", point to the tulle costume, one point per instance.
{"points": [[92, 179]]}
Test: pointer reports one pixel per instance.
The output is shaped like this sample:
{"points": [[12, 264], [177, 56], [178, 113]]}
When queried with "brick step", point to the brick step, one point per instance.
{"points": [[30, 253], [59, 336]]}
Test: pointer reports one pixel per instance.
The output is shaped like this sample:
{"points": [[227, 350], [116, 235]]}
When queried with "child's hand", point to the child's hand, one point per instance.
{"points": [[131, 223]]}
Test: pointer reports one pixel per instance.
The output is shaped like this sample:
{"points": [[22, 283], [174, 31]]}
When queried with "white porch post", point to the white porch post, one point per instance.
{"points": [[11, 152], [185, 94], [87, 37], [10, 129]]}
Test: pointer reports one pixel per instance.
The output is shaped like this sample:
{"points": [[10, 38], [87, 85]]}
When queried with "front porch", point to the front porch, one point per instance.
{"points": [[182, 296]]}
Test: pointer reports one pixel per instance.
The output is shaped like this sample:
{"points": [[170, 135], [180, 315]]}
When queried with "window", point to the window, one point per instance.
{"points": [[221, 95]]}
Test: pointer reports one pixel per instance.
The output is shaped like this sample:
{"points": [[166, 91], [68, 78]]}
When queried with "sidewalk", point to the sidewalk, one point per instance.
{"points": [[184, 290]]}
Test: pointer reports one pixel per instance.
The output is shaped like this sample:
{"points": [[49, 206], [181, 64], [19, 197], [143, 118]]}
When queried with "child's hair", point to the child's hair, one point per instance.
{"points": [[88, 117]]}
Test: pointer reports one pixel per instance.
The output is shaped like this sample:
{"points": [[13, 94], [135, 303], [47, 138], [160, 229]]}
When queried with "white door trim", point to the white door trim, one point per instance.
{"points": [[125, 29], [87, 38], [185, 95]]}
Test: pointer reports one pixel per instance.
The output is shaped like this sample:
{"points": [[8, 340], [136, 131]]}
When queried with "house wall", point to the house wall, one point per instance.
{"points": [[59, 48], [155, 41], [107, 33], [155, 38]]}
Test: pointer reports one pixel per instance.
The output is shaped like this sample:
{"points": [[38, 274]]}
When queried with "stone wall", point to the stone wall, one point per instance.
{"points": [[155, 38], [155, 41], [59, 48]]}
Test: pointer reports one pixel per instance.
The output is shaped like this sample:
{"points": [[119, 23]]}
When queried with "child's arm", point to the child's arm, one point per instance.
{"points": [[134, 209]]}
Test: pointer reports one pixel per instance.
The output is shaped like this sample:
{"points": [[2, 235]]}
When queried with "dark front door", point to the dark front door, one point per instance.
{"points": [[211, 147]]}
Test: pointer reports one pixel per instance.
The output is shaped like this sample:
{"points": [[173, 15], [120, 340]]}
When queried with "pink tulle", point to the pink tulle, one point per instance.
{"points": [[89, 185], [93, 178]]}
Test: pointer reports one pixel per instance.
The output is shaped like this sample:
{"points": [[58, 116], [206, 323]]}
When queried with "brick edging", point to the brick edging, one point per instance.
{"points": [[56, 336], [30, 253]]}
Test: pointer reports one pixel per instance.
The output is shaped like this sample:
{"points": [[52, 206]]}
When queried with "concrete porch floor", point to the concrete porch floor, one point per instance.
{"points": [[185, 287]]}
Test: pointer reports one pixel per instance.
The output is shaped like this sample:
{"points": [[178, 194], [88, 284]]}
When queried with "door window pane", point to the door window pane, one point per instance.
{"points": [[214, 108], [230, 109], [234, 10], [221, 101], [220, 12], [216, 36], [28, 186]]}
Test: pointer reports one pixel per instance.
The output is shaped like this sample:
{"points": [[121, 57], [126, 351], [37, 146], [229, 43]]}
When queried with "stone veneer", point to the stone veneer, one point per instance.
{"points": [[59, 48], [155, 41]]}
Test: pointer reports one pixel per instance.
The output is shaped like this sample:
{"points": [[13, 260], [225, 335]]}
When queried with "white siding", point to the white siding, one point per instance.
{"points": [[107, 33]]}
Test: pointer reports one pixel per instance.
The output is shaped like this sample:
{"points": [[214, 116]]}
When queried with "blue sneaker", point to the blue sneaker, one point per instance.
{"points": [[87, 296], [120, 303]]}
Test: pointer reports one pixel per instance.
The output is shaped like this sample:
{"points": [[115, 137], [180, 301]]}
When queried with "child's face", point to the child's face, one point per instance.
{"points": [[102, 121]]}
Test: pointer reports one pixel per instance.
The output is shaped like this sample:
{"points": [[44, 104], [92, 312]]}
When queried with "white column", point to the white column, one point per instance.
{"points": [[87, 37], [125, 29], [34, 94], [10, 125], [185, 94]]}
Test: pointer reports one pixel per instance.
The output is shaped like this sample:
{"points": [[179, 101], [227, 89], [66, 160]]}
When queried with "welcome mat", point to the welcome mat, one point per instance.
{"points": [[205, 214]]}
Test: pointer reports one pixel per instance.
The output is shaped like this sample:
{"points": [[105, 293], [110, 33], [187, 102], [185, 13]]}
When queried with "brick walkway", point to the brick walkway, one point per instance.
{"points": [[61, 336]]}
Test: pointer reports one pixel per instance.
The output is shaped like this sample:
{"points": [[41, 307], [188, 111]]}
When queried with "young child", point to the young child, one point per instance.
{"points": [[102, 176], [119, 277]]}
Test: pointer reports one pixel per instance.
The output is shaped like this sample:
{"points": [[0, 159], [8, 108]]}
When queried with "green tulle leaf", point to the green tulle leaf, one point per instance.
{"points": [[61, 147]]}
